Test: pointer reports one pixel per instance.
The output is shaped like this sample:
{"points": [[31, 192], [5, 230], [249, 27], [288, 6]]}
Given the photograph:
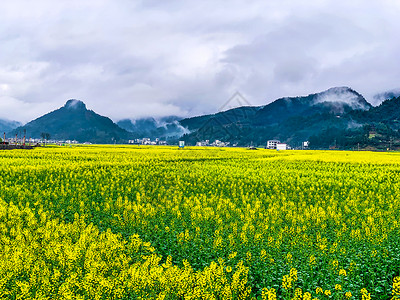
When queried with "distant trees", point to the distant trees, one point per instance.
{"points": [[45, 136]]}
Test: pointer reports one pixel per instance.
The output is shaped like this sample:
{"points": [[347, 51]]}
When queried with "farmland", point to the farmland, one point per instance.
{"points": [[104, 222]]}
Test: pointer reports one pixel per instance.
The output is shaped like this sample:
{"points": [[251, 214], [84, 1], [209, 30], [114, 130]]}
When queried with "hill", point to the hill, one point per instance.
{"points": [[338, 117], [166, 128], [377, 128], [74, 121], [291, 119]]}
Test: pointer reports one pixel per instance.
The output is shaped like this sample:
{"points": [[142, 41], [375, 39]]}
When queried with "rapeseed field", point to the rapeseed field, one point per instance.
{"points": [[135, 222]]}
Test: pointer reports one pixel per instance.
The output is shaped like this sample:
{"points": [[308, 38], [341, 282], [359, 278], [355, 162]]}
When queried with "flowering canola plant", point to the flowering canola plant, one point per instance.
{"points": [[129, 222]]}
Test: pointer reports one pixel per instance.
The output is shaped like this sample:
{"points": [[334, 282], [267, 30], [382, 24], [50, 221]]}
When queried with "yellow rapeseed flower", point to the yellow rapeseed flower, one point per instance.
{"points": [[287, 282], [396, 287]]}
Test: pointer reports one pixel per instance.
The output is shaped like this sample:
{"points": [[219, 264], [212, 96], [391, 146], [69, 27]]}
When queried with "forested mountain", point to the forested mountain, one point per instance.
{"points": [[74, 121], [291, 119], [166, 128], [336, 118], [376, 128]]}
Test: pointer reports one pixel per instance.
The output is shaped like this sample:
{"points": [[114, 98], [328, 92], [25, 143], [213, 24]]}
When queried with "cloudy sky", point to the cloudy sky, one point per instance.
{"points": [[130, 59]]}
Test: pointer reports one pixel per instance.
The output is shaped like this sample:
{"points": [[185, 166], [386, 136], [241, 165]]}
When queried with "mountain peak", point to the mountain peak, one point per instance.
{"points": [[74, 122], [75, 104], [345, 95], [339, 89]]}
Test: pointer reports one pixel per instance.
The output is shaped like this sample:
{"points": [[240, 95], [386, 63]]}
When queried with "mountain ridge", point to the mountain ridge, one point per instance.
{"points": [[289, 119], [74, 121], [338, 115]]}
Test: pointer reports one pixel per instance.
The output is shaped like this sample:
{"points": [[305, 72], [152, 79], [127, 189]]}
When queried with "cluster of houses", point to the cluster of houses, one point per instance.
{"points": [[271, 144], [147, 141], [216, 143], [277, 145], [31, 141]]}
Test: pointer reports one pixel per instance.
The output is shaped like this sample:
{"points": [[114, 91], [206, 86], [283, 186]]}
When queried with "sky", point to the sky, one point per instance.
{"points": [[133, 59]]}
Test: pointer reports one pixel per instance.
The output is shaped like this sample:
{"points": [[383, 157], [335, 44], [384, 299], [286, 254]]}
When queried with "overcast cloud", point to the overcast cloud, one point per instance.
{"points": [[129, 59]]}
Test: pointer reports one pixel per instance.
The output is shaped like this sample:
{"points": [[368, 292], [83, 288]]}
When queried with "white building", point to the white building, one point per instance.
{"points": [[271, 144], [281, 146], [203, 143], [218, 143]]}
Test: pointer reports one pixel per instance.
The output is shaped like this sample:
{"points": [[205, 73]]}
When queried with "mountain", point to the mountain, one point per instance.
{"points": [[144, 125], [291, 119], [387, 95], [6, 125], [388, 112], [378, 128], [234, 115], [167, 128], [336, 100], [339, 117], [74, 121]]}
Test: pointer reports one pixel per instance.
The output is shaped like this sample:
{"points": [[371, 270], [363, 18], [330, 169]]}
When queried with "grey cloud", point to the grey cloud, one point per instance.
{"points": [[294, 70], [128, 59]]}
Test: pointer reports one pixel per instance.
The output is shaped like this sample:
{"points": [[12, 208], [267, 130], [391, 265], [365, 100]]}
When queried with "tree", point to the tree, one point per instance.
{"points": [[45, 136]]}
